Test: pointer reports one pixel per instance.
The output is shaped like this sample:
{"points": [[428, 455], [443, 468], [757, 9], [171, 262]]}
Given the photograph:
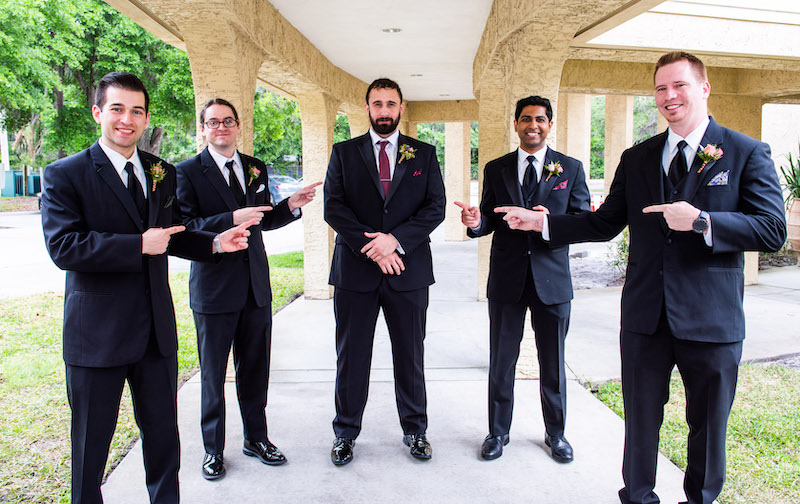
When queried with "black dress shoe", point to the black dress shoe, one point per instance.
{"points": [[493, 446], [420, 447], [213, 467], [266, 452], [560, 449], [342, 451]]}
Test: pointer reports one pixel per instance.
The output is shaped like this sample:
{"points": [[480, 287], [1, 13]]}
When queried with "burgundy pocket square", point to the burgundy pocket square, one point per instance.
{"points": [[562, 185], [418, 172]]}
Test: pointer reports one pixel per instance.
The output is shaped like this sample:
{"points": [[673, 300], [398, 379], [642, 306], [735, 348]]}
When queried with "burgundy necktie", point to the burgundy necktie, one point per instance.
{"points": [[386, 176]]}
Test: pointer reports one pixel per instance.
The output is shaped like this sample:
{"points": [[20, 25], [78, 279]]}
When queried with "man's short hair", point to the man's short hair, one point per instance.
{"points": [[536, 101], [383, 83], [123, 80], [217, 101], [673, 57]]}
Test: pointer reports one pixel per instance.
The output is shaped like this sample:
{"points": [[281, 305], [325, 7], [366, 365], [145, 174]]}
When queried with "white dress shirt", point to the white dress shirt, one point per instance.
{"points": [[238, 170], [522, 163], [391, 149], [118, 161]]}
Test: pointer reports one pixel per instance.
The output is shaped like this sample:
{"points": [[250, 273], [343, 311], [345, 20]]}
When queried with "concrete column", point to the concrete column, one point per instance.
{"points": [[225, 69], [574, 126], [358, 119], [318, 117], [456, 177], [408, 128], [743, 114], [619, 134]]}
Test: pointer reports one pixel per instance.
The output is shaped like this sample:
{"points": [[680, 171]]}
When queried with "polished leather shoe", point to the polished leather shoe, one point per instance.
{"points": [[560, 449], [493, 446], [213, 467], [420, 447], [342, 451], [265, 451]]}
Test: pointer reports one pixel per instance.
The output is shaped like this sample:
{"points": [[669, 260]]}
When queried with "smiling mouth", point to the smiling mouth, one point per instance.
{"points": [[672, 107]]}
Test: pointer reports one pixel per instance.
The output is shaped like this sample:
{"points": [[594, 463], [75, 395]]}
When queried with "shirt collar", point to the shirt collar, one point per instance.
{"points": [[118, 161], [392, 139], [522, 156], [221, 160], [693, 139]]}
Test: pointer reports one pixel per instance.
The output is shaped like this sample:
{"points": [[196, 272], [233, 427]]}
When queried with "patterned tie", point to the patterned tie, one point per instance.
{"points": [[677, 168], [135, 189], [233, 183], [386, 177], [529, 181]]}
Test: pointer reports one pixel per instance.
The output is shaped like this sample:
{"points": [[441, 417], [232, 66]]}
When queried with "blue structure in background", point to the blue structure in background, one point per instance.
{"points": [[14, 184]]}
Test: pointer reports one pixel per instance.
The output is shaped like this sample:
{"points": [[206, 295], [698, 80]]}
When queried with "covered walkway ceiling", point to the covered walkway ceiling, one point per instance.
{"points": [[432, 55]]}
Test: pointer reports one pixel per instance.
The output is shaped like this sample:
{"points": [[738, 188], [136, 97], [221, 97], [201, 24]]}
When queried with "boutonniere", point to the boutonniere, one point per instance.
{"points": [[709, 153], [407, 152], [553, 169], [254, 174], [157, 173]]}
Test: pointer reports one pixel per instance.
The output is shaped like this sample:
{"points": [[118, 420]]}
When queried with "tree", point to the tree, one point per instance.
{"points": [[433, 133], [277, 130], [598, 137]]}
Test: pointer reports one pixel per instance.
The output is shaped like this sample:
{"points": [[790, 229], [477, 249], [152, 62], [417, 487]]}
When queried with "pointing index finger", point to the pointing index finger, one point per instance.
{"points": [[174, 229], [655, 208], [462, 205], [315, 184]]}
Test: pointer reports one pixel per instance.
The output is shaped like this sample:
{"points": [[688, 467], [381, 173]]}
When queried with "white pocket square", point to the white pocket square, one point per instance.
{"points": [[719, 179], [260, 188]]}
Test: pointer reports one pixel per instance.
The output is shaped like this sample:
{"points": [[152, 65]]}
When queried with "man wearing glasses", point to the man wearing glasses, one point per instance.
{"points": [[231, 299]]}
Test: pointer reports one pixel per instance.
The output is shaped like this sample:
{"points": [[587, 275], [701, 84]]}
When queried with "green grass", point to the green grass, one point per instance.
{"points": [[34, 426], [763, 448], [19, 204]]}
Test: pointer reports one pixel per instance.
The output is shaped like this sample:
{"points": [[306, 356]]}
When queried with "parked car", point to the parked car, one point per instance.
{"points": [[283, 186]]}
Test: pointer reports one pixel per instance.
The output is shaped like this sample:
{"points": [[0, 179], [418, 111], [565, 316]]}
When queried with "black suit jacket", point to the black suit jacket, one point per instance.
{"points": [[701, 287], [114, 294], [513, 250], [354, 204], [207, 203]]}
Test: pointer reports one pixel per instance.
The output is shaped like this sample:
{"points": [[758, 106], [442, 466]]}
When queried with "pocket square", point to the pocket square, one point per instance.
{"points": [[562, 185], [260, 188], [720, 179]]}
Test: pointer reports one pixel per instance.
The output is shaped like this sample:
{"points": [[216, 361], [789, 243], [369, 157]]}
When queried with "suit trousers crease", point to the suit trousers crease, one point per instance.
{"points": [[249, 332], [709, 372], [356, 316], [550, 324], [99, 391]]}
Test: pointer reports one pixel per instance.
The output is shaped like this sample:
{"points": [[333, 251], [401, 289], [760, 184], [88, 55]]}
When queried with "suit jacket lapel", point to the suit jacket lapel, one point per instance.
{"points": [[713, 135], [400, 168], [547, 182], [367, 154], [211, 170], [249, 188], [511, 179], [110, 176]]}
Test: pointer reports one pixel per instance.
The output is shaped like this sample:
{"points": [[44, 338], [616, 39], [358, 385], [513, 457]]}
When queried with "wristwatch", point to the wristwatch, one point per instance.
{"points": [[700, 224]]}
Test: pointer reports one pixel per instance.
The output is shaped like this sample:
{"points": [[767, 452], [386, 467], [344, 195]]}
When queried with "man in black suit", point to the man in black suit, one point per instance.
{"points": [[110, 216], [526, 273], [384, 196], [231, 299], [695, 197]]}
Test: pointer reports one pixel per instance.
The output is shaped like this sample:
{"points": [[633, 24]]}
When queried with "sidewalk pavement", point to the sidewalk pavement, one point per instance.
{"points": [[301, 408]]}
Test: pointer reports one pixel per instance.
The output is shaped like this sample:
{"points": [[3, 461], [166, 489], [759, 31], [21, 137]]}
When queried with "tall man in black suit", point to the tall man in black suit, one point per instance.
{"points": [[691, 215], [526, 273], [110, 217], [231, 300], [384, 196]]}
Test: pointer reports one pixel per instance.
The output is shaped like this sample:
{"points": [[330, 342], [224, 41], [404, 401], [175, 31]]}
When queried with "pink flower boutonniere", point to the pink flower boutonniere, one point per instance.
{"points": [[157, 173], [254, 174], [553, 169], [407, 152], [709, 153]]}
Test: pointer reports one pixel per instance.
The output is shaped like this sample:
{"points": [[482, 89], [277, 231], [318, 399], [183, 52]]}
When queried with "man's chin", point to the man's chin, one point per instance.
{"points": [[384, 129]]}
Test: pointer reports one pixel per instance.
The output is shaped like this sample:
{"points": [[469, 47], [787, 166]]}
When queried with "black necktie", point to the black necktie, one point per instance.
{"points": [[677, 168], [233, 182], [529, 181], [135, 189]]}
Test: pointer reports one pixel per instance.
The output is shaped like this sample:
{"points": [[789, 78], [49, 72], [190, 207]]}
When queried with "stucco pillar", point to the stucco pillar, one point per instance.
{"points": [[408, 128], [358, 119], [619, 134], [743, 114], [574, 126], [225, 69], [456, 177], [318, 117]]}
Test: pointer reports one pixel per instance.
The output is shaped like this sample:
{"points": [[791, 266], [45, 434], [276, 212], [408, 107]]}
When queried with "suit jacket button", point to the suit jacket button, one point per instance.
{"points": [[246, 258], [660, 272], [385, 211], [669, 241]]}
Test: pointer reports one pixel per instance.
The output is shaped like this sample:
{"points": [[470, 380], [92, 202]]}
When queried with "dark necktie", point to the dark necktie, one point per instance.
{"points": [[233, 182], [529, 181], [386, 176], [135, 189], [677, 168]]}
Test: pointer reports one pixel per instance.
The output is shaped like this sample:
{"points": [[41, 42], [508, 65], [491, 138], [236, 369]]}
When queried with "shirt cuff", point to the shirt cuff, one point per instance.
{"points": [[707, 235], [296, 212], [546, 228], [216, 245]]}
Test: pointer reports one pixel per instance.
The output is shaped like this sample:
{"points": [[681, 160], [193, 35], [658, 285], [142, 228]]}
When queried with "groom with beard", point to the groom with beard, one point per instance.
{"points": [[384, 196]]}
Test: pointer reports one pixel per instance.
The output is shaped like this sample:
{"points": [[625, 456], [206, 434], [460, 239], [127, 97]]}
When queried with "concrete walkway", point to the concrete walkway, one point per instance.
{"points": [[301, 408]]}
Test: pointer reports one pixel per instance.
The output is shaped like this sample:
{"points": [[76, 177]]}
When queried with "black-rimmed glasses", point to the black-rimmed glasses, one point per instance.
{"points": [[229, 122]]}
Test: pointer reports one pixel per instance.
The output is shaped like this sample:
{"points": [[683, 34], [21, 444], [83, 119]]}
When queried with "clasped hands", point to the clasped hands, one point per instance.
{"points": [[382, 249]]}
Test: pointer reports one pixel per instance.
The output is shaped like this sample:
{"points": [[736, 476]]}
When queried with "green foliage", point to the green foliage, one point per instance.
{"points": [[620, 251], [598, 137], [341, 130], [791, 177], [473, 151], [433, 133], [277, 130], [645, 118]]}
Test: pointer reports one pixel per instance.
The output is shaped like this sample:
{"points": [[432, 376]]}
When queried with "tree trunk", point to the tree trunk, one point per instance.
{"points": [[151, 140]]}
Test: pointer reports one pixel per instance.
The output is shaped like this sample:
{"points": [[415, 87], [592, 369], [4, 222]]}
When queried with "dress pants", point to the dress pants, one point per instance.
{"points": [[506, 324], [709, 372], [356, 315], [249, 331], [94, 396]]}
